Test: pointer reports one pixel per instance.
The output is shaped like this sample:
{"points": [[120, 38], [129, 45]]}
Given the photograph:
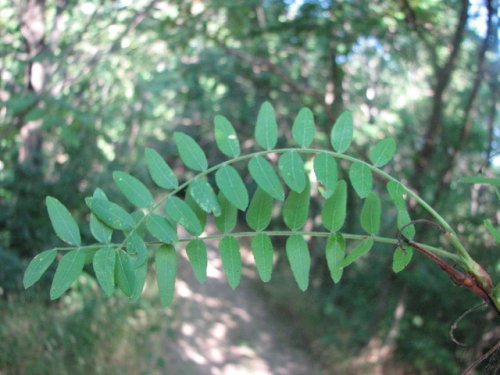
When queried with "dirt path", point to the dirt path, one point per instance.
{"points": [[226, 332]]}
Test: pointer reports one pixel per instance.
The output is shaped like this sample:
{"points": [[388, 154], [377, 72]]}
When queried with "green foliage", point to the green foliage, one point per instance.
{"points": [[160, 172], [125, 264], [231, 260], [63, 223], [300, 259]]}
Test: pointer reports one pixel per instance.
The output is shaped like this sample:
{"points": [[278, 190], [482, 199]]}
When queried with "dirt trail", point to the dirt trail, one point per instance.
{"points": [[226, 332]]}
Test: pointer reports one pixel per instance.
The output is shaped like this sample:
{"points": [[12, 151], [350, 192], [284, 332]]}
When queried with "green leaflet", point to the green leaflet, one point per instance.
{"points": [[225, 137], [296, 208], [160, 229], [291, 167], [262, 249], [266, 129], [397, 193], [356, 253], [403, 218], [342, 132], [203, 194], [335, 252], [227, 219], [190, 152], [230, 183], [63, 223], [481, 180], [140, 274], [104, 268], [38, 266], [361, 178], [334, 210], [200, 214], [110, 213], [299, 259], [401, 258], [259, 211], [197, 253], [383, 152], [181, 213], [370, 214], [99, 230], [134, 190], [124, 274], [166, 271], [495, 233], [137, 248], [231, 260], [265, 176], [325, 169], [160, 172], [303, 128], [69, 268]]}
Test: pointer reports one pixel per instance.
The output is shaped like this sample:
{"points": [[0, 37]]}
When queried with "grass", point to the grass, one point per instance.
{"points": [[82, 333]]}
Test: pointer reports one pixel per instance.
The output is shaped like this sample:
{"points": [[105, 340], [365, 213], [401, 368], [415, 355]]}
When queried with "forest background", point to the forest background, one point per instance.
{"points": [[85, 86]]}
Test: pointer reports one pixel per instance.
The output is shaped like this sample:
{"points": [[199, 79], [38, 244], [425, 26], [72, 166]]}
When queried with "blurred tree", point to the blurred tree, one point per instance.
{"points": [[85, 85]]}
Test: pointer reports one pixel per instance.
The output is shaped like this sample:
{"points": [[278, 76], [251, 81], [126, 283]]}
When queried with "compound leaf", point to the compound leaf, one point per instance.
{"points": [[383, 152], [226, 221], [266, 129], [291, 167], [342, 132], [335, 252], [325, 169], [203, 194], [296, 208], [160, 172], [361, 178], [303, 128], [232, 186], [265, 176], [300, 259], [190, 152], [356, 253], [110, 213], [63, 223], [161, 229], [225, 137], [180, 212], [197, 253], [370, 214], [69, 268], [166, 272], [262, 249], [401, 258], [231, 260], [133, 189], [37, 267], [104, 268], [333, 213], [259, 211]]}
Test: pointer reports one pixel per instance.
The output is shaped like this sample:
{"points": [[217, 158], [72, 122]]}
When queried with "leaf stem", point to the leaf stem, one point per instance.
{"points": [[281, 233]]}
